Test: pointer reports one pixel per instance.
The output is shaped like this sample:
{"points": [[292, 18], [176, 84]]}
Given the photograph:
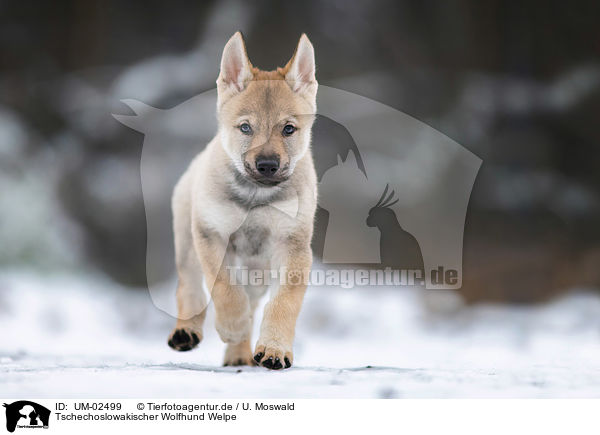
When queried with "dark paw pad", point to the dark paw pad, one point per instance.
{"points": [[268, 363], [182, 341], [287, 362], [258, 357], [277, 364]]}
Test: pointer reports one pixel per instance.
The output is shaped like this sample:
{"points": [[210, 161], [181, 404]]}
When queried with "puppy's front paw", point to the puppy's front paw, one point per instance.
{"points": [[273, 356], [183, 339]]}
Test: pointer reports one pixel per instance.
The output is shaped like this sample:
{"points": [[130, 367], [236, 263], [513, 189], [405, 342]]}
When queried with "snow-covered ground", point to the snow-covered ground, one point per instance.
{"points": [[79, 336]]}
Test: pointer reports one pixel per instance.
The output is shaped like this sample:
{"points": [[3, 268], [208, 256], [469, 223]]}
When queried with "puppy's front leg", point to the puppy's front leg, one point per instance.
{"points": [[274, 347], [232, 307]]}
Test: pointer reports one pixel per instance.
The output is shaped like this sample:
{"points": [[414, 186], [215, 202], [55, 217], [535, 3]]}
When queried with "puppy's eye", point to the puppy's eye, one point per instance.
{"points": [[288, 130], [245, 128]]}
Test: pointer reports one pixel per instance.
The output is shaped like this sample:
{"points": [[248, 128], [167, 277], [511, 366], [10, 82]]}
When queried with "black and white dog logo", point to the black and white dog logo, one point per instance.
{"points": [[26, 414]]}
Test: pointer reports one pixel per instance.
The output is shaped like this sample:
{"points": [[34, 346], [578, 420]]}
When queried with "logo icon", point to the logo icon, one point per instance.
{"points": [[26, 414]]}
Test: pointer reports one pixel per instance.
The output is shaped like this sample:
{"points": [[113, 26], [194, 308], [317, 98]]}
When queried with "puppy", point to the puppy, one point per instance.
{"points": [[249, 200]]}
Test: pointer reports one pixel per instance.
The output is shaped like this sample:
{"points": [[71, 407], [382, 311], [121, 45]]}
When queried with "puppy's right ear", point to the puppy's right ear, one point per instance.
{"points": [[236, 69]]}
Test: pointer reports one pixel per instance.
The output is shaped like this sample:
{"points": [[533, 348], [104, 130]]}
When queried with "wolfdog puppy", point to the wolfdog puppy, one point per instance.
{"points": [[249, 200]]}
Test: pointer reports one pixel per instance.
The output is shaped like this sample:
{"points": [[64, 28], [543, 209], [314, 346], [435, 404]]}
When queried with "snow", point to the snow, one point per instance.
{"points": [[83, 336]]}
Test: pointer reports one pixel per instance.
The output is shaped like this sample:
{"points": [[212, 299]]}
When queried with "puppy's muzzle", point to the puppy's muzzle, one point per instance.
{"points": [[267, 170], [267, 167]]}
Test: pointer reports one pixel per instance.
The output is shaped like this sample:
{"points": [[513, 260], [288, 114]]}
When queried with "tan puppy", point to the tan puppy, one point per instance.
{"points": [[230, 207]]}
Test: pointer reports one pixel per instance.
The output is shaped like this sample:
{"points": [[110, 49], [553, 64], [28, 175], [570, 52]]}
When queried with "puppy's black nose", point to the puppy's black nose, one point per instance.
{"points": [[267, 166]]}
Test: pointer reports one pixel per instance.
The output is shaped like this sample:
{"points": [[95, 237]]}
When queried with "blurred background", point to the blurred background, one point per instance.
{"points": [[516, 83]]}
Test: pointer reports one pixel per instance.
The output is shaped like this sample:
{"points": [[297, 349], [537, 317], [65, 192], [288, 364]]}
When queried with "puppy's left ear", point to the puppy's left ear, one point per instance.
{"points": [[300, 70]]}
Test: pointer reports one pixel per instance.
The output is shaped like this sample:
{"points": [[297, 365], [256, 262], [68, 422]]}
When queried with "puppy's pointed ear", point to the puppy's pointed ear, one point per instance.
{"points": [[300, 70], [236, 69]]}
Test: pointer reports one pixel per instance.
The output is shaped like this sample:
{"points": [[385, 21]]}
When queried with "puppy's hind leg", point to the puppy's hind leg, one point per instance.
{"points": [[240, 354]]}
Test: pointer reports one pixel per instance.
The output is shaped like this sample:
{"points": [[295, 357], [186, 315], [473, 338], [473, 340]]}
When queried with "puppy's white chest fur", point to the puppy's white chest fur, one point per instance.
{"points": [[257, 236], [251, 240]]}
